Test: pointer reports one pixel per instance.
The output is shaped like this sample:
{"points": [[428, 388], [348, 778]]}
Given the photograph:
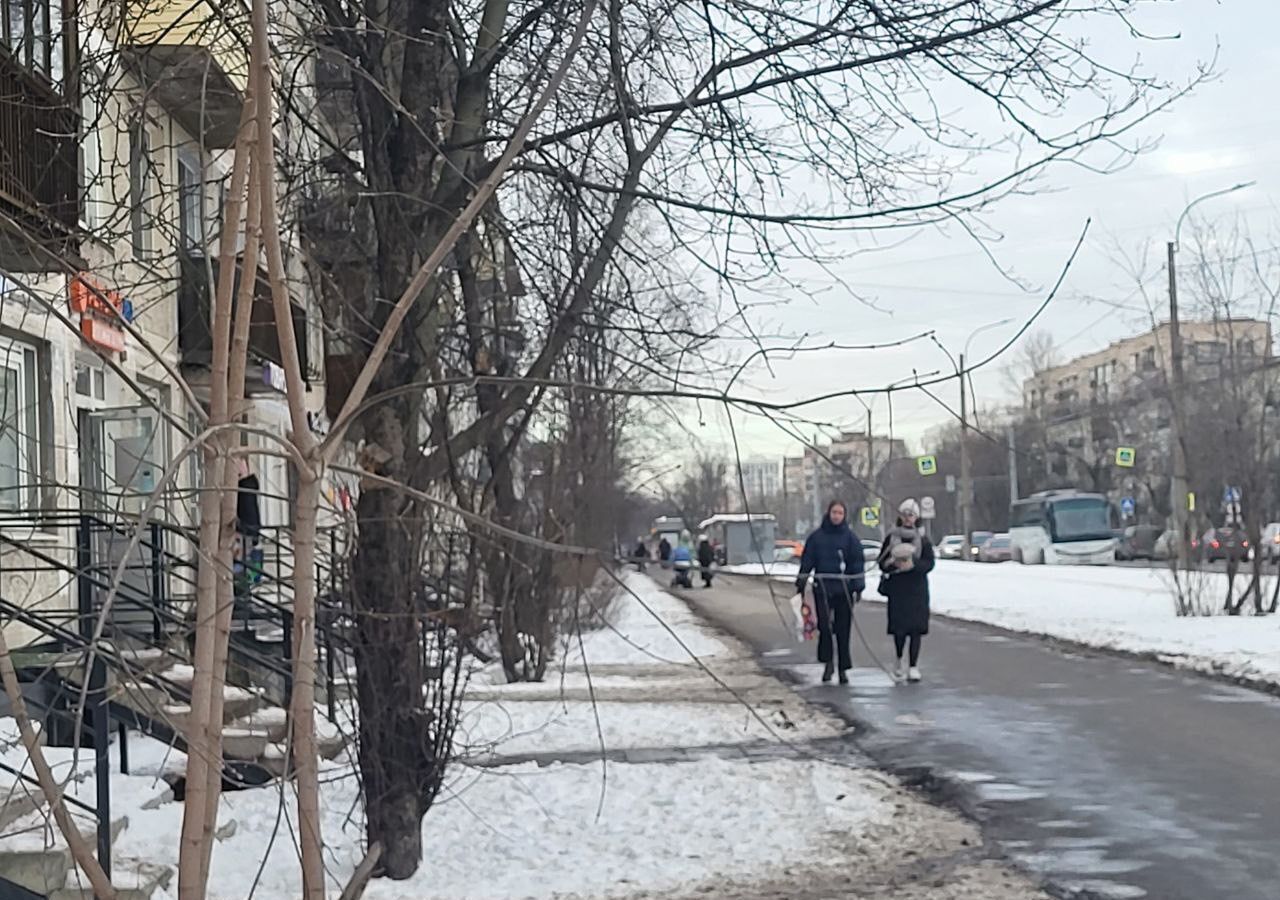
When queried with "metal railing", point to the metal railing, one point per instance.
{"points": [[154, 603]]}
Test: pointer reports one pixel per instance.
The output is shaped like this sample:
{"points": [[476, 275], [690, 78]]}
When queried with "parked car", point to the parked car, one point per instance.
{"points": [[1271, 542], [1226, 543], [951, 547], [976, 540], [1166, 546], [787, 551], [870, 550], [997, 548], [1138, 542]]}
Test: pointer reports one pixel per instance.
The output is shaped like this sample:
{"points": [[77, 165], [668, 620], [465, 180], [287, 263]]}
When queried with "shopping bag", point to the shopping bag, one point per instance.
{"points": [[806, 621]]}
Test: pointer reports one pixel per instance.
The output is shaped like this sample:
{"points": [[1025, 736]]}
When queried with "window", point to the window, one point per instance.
{"points": [[1027, 514], [1082, 519], [91, 161], [91, 381], [190, 205], [1244, 347], [1149, 359], [32, 32], [1210, 351], [20, 468], [141, 187]]}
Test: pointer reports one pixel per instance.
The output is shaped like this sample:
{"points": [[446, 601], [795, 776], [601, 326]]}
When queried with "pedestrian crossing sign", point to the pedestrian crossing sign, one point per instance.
{"points": [[871, 516], [1125, 457], [928, 465]]}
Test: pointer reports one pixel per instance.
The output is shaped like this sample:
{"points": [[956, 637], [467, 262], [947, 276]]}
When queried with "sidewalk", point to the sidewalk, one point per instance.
{"points": [[714, 783]]}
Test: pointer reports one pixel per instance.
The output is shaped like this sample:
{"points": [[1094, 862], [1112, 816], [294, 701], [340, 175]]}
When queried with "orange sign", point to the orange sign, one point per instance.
{"points": [[102, 334], [101, 311]]}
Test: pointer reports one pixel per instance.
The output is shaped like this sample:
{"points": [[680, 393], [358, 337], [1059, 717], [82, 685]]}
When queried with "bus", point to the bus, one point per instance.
{"points": [[1065, 527]]}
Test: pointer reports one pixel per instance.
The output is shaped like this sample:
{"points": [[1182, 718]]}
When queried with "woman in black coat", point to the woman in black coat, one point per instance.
{"points": [[834, 556], [906, 559], [706, 559]]}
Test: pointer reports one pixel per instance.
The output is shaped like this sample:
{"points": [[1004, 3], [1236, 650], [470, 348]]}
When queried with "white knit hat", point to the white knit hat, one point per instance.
{"points": [[910, 507]]}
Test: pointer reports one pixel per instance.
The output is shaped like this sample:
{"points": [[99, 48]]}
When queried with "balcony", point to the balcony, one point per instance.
{"points": [[195, 326], [194, 62], [39, 172]]}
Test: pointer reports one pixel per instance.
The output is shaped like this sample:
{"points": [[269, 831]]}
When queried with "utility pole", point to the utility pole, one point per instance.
{"points": [[966, 485], [817, 499], [1179, 485], [1013, 467], [1177, 418]]}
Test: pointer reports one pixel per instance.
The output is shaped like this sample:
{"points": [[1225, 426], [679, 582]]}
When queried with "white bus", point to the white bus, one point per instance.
{"points": [[1062, 528]]}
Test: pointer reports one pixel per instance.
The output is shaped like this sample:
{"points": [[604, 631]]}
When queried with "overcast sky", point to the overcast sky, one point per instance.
{"points": [[1225, 133]]}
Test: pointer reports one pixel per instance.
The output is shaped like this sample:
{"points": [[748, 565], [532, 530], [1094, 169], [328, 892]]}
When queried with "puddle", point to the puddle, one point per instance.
{"points": [[1106, 890], [1000, 792], [1082, 862]]}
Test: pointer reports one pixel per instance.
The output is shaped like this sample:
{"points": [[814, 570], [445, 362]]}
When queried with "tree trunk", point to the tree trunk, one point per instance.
{"points": [[397, 761]]}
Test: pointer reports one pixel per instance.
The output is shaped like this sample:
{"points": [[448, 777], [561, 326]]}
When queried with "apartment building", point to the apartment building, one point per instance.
{"points": [[844, 468], [119, 126], [1119, 396], [1144, 360]]}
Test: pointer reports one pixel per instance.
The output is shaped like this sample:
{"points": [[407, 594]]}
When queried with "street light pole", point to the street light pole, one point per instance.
{"points": [[966, 483], [1179, 487]]}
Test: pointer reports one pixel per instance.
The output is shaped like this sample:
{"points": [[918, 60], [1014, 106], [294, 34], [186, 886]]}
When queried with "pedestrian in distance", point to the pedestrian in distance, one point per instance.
{"points": [[905, 561], [706, 559], [664, 552], [834, 557], [682, 563], [640, 554]]}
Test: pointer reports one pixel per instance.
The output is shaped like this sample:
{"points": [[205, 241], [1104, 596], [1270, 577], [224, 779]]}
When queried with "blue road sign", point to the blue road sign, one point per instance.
{"points": [[1231, 495], [1128, 506]]}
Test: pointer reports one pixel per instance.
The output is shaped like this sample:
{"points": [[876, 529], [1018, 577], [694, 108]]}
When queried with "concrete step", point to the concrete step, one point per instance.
{"points": [[152, 701], [132, 879], [274, 721], [34, 855]]}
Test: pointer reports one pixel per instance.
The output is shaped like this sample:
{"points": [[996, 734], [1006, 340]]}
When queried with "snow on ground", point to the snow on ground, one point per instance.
{"points": [[526, 727], [525, 831], [572, 829], [785, 571], [1118, 608]]}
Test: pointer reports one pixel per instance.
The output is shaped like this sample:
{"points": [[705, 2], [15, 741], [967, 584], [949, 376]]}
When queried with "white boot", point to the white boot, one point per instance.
{"points": [[900, 671], [913, 674]]}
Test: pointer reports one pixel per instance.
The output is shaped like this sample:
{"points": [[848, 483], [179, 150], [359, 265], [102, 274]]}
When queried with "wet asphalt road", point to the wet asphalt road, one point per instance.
{"points": [[1108, 778]]}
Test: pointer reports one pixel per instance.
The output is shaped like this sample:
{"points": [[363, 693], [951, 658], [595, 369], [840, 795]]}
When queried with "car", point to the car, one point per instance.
{"points": [[1166, 546], [1271, 541], [787, 551], [1226, 543], [997, 548], [870, 550], [1137, 542], [951, 547], [976, 540]]}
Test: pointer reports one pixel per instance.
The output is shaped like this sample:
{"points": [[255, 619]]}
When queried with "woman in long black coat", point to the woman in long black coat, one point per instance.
{"points": [[906, 559]]}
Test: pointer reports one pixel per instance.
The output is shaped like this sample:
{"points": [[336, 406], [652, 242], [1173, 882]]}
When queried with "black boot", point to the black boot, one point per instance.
{"points": [[828, 671], [844, 677]]}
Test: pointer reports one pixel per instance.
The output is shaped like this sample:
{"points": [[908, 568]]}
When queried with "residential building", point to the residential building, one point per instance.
{"points": [[761, 480], [1142, 361], [109, 246], [846, 468], [1118, 396]]}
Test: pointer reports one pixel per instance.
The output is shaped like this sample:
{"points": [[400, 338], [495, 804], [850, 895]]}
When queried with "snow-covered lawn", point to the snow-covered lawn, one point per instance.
{"points": [[569, 829], [1129, 609]]}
